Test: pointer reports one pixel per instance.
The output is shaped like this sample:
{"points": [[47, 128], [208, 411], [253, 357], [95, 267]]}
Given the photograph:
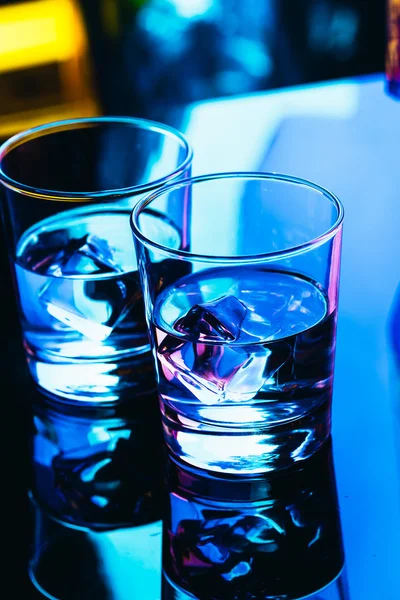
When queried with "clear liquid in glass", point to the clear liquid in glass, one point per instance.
{"points": [[245, 360], [81, 305]]}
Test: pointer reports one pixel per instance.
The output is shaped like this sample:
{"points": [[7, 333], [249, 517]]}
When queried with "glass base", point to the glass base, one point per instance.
{"points": [[245, 450], [95, 381]]}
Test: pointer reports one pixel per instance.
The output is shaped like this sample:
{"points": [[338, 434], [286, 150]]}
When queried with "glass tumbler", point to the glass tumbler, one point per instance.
{"points": [[68, 189], [243, 320]]}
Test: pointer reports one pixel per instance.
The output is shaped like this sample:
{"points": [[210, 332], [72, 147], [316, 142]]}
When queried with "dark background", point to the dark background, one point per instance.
{"points": [[150, 59]]}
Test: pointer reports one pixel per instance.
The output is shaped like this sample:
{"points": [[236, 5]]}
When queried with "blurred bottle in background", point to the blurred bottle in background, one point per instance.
{"points": [[153, 57], [393, 89], [393, 48], [173, 52]]}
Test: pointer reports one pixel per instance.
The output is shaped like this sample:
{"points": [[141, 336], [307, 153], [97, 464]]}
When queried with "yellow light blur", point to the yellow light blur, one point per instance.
{"points": [[33, 33], [41, 33]]}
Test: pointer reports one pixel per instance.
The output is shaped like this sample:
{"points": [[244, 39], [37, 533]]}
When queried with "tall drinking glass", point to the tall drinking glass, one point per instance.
{"points": [[243, 323], [68, 190]]}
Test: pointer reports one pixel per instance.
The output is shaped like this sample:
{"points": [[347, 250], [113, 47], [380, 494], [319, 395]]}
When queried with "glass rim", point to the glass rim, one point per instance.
{"points": [[245, 258], [72, 124]]}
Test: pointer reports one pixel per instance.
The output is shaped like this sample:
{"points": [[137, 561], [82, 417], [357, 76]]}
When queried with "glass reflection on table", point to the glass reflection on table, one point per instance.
{"points": [[96, 493], [254, 538], [96, 498]]}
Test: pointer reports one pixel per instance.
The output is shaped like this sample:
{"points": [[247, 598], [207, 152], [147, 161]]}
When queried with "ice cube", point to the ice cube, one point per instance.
{"points": [[214, 373], [225, 371], [91, 306], [217, 320], [87, 255]]}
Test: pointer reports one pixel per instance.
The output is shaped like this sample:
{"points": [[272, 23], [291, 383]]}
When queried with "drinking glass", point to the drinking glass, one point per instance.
{"points": [[243, 321], [68, 189]]}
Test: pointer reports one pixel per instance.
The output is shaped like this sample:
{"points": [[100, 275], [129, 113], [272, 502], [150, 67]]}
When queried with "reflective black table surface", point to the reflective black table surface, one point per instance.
{"points": [[344, 136]]}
